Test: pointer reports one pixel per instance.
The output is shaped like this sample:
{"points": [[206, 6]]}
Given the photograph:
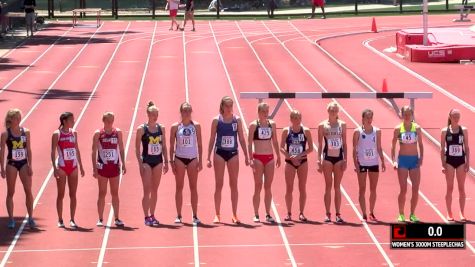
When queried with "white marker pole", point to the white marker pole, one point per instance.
{"points": [[425, 11]]}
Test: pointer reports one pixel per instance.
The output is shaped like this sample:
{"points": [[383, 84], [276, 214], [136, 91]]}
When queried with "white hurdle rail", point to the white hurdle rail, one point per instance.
{"points": [[412, 96]]}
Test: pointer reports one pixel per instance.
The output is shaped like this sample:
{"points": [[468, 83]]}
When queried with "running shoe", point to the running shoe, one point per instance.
{"points": [[338, 218], [196, 221], [155, 222], [462, 218], [413, 218], [269, 219], [60, 224], [450, 218], [73, 224], [148, 221], [235, 220], [365, 218], [118, 223], [178, 219], [401, 218], [31, 223], [372, 217], [217, 219], [11, 224], [99, 223], [288, 217], [256, 219], [302, 217], [327, 218]]}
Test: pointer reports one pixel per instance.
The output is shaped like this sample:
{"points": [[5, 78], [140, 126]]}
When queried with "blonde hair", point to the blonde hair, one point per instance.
{"points": [[262, 106], [151, 107], [185, 106], [107, 114], [333, 104], [224, 100], [295, 114], [10, 115], [406, 108]]}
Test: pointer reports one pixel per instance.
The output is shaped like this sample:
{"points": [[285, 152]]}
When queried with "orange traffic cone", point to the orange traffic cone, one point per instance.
{"points": [[384, 89], [373, 26]]}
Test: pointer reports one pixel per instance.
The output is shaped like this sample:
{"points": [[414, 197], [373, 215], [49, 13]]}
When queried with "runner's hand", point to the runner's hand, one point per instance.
{"points": [[56, 173]]}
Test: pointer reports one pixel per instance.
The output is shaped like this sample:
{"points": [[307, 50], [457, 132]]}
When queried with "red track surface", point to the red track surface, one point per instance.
{"points": [[258, 56]]}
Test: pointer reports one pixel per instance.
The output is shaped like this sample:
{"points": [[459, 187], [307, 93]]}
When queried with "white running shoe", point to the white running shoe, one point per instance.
{"points": [[196, 221], [73, 224], [118, 223]]}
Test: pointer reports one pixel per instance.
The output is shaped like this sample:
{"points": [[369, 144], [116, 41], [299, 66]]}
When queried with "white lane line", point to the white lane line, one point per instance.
{"points": [[236, 98], [418, 76], [105, 239], [48, 177], [53, 84], [34, 62], [386, 156], [430, 137], [218, 246], [350, 201], [196, 251]]}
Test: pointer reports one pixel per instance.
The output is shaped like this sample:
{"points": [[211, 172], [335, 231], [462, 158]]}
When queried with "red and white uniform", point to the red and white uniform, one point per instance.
{"points": [[67, 158], [108, 154]]}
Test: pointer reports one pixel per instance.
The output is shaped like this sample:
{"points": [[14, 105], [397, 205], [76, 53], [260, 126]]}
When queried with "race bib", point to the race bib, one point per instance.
{"points": [[264, 133], [109, 154], [369, 154], [408, 138], [186, 141], [334, 143], [69, 153], [19, 154], [227, 141], [154, 149], [295, 150], [455, 150]]}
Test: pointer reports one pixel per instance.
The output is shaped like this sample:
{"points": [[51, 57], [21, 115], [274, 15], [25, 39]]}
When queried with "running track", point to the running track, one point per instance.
{"points": [[123, 65]]}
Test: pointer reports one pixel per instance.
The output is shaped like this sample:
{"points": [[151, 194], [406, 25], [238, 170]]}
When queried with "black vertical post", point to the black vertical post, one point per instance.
{"points": [[49, 9], [82, 4], [116, 9], [153, 9], [400, 6], [218, 7], [447, 5], [356, 7], [112, 7]]}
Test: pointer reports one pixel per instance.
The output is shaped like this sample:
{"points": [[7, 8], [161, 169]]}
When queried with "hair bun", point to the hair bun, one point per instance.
{"points": [[150, 104]]}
